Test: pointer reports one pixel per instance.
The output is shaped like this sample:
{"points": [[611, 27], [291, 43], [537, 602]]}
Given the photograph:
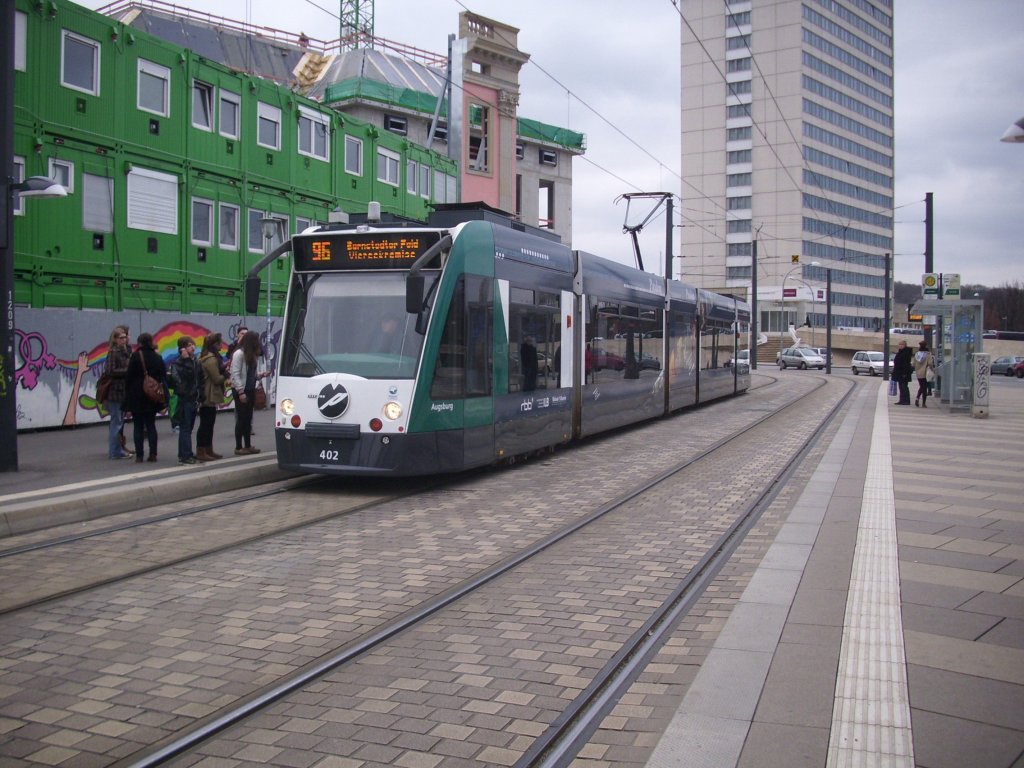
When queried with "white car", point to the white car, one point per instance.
{"points": [[872, 363], [800, 357]]}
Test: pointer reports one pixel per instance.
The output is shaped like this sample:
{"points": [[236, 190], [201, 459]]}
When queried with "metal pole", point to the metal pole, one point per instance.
{"points": [[885, 338], [828, 320], [668, 237], [753, 306], [8, 405], [929, 254], [270, 274]]}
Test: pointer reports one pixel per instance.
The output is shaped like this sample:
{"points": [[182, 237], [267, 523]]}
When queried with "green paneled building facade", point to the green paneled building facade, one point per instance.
{"points": [[171, 161]]}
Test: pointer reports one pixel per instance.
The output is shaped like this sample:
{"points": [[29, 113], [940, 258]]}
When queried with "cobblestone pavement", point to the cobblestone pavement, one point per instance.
{"points": [[94, 678]]}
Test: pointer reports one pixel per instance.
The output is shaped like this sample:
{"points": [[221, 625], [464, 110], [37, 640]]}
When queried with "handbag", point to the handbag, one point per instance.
{"points": [[103, 388], [893, 391], [152, 388], [259, 398]]}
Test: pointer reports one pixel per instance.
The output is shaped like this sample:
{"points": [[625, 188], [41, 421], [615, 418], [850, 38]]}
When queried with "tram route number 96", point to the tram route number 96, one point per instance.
{"points": [[327, 455]]}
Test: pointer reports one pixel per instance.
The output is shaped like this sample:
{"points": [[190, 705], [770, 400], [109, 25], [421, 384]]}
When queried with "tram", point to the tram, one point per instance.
{"points": [[411, 349]]}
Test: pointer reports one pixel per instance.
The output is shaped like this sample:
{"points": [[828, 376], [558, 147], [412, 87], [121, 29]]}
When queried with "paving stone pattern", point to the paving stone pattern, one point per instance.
{"points": [[91, 679]]}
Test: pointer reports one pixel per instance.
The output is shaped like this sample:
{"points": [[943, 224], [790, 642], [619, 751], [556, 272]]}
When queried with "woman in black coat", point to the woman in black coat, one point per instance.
{"points": [[143, 409], [903, 371]]}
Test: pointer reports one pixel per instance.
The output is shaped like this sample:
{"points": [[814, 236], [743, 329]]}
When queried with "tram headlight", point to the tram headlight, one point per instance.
{"points": [[393, 410], [287, 406]]}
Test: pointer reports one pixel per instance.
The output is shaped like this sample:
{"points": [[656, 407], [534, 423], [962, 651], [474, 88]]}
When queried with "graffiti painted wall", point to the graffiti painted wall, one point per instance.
{"points": [[60, 355]]}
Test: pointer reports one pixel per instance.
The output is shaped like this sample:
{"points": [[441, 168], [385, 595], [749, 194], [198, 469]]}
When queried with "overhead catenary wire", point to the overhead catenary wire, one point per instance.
{"points": [[570, 94]]}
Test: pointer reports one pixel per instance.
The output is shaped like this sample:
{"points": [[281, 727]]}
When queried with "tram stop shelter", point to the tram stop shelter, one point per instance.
{"points": [[957, 339]]}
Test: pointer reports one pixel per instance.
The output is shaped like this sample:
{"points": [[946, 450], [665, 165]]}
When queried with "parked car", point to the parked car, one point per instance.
{"points": [[872, 363], [1018, 370], [1003, 366], [800, 357], [649, 362], [743, 361], [601, 358], [823, 351]]}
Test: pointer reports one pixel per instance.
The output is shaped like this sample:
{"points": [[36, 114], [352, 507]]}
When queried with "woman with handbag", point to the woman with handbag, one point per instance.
{"points": [[118, 354], [212, 396], [245, 375], [924, 364], [145, 398]]}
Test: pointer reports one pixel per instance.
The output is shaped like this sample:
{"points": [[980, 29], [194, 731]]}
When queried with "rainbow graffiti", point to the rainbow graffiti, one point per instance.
{"points": [[165, 340]]}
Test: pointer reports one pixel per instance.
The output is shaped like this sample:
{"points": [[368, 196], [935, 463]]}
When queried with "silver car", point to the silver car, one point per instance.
{"points": [[801, 357], [872, 363], [1003, 366]]}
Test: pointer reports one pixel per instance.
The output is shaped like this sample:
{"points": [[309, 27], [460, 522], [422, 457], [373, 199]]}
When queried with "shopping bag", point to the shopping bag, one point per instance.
{"points": [[893, 391]]}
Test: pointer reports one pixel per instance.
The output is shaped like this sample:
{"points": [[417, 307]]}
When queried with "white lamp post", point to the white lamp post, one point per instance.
{"points": [[782, 304], [34, 186]]}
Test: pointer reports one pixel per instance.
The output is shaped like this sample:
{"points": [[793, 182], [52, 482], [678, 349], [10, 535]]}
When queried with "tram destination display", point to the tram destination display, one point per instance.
{"points": [[360, 250]]}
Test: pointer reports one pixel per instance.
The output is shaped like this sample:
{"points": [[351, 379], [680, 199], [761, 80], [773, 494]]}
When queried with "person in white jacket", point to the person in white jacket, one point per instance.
{"points": [[245, 373]]}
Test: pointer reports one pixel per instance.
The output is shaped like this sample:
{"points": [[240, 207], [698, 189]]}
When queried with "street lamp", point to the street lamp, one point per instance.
{"points": [[38, 186], [782, 304], [34, 186], [269, 230]]}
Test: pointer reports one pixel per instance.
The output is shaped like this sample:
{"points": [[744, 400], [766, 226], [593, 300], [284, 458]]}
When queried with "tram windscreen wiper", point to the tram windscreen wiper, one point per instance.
{"points": [[308, 356]]}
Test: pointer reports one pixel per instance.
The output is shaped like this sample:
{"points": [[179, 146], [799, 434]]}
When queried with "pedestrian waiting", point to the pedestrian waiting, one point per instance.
{"points": [[185, 379], [211, 397]]}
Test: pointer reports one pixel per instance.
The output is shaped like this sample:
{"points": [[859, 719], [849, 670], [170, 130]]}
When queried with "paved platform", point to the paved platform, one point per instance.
{"points": [[884, 627], [64, 475]]}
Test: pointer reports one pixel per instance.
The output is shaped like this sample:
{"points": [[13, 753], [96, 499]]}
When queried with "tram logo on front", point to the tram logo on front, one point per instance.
{"points": [[332, 400]]}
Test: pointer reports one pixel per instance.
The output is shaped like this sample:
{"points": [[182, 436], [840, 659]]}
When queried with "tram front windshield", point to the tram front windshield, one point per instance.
{"points": [[352, 323]]}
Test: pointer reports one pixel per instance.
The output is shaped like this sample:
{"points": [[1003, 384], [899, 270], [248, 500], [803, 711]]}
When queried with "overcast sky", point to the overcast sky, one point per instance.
{"points": [[610, 69]]}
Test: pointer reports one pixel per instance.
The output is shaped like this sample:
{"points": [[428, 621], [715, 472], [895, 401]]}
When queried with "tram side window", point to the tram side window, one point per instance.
{"points": [[463, 366], [534, 345], [716, 344], [681, 343]]}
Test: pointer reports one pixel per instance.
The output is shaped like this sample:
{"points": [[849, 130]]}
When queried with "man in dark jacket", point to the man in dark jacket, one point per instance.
{"points": [[184, 378], [903, 372]]}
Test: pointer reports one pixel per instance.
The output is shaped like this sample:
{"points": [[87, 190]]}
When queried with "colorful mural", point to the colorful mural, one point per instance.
{"points": [[61, 354]]}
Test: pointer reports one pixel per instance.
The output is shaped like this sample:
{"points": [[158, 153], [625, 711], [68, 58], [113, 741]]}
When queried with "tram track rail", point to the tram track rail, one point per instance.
{"points": [[44, 541], [99, 578], [559, 743]]}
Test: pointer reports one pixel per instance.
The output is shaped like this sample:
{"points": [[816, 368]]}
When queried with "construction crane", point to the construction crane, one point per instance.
{"points": [[356, 25]]}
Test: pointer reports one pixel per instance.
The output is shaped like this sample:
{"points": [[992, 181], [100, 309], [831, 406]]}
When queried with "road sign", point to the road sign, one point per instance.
{"points": [[950, 285], [930, 285]]}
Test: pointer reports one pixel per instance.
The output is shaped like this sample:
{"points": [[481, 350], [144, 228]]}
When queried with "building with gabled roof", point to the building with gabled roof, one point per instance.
{"points": [[515, 164]]}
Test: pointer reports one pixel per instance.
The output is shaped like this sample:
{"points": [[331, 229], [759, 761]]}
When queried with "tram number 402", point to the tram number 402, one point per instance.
{"points": [[328, 455]]}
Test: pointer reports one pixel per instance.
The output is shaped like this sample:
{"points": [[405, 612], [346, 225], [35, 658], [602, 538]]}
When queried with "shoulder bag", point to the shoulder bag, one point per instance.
{"points": [[150, 386], [103, 388], [259, 398]]}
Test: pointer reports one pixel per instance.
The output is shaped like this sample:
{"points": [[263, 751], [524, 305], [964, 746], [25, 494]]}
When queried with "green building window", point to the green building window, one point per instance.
{"points": [[97, 203], [268, 130], [202, 105], [313, 129], [202, 221], [228, 227], [230, 108], [387, 166], [80, 63], [154, 88], [353, 155]]}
